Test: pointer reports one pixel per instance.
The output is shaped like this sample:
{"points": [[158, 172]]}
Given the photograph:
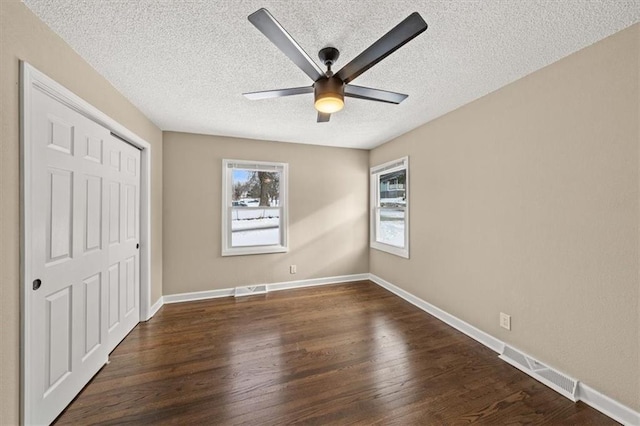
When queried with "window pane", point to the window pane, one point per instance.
{"points": [[392, 189], [391, 227], [251, 188], [255, 227]]}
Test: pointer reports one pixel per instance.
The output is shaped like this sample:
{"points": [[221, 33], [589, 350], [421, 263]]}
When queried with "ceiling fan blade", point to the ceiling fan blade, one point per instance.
{"points": [[370, 94], [278, 93], [401, 34], [323, 117], [267, 24]]}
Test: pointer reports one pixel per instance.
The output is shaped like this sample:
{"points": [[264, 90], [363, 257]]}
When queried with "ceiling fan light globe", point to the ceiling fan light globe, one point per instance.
{"points": [[329, 95], [329, 104]]}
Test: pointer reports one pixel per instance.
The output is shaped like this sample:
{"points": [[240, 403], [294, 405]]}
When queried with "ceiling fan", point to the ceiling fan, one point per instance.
{"points": [[329, 89]]}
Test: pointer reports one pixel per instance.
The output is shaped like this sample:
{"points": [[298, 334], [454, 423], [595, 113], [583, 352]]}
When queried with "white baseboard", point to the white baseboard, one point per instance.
{"points": [[155, 307], [198, 295], [286, 285], [455, 322], [610, 407], [586, 394]]}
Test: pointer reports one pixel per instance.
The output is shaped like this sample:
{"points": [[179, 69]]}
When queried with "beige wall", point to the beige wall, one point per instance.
{"points": [[526, 202], [327, 213], [23, 36]]}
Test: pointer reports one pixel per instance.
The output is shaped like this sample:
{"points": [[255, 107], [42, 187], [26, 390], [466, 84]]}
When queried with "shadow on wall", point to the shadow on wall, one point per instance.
{"points": [[338, 252], [333, 230]]}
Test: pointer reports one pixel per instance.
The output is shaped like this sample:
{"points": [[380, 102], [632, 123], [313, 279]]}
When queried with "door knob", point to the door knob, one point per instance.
{"points": [[37, 283], [138, 245]]}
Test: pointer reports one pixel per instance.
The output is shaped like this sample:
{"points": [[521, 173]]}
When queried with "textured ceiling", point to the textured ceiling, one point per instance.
{"points": [[185, 63]]}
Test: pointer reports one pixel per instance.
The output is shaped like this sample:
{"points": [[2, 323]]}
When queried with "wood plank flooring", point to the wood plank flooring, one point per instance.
{"points": [[341, 354]]}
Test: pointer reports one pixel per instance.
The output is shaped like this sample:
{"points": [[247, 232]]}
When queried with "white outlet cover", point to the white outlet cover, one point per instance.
{"points": [[505, 321]]}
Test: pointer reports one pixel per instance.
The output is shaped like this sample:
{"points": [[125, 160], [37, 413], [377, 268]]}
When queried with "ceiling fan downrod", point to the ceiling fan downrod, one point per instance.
{"points": [[328, 56]]}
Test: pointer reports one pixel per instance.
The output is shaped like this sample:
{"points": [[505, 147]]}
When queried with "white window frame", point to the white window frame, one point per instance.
{"points": [[227, 192], [374, 180]]}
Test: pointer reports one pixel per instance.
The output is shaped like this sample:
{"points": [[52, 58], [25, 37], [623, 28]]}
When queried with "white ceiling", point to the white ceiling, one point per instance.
{"points": [[185, 63]]}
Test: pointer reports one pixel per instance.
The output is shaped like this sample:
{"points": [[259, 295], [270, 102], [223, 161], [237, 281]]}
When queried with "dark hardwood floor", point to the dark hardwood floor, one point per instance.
{"points": [[339, 354]]}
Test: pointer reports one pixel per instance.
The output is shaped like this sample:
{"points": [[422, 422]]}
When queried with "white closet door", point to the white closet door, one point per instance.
{"points": [[123, 224], [68, 328], [84, 212]]}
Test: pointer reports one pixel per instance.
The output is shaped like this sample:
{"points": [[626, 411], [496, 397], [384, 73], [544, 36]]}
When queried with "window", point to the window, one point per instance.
{"points": [[254, 207], [390, 207]]}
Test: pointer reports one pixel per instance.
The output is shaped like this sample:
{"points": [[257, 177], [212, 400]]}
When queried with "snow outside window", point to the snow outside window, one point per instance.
{"points": [[254, 207], [390, 207]]}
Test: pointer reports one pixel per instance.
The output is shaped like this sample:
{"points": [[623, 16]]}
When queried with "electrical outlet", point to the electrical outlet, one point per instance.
{"points": [[505, 321], [293, 269]]}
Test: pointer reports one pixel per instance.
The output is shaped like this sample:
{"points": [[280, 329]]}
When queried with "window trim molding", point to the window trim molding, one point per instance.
{"points": [[374, 185], [227, 167]]}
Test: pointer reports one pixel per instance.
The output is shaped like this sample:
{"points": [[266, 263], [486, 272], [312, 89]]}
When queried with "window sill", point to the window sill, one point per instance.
{"points": [[397, 251], [244, 251]]}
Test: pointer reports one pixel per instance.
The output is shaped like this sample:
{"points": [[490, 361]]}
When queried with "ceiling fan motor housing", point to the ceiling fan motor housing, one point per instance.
{"points": [[329, 94], [329, 56]]}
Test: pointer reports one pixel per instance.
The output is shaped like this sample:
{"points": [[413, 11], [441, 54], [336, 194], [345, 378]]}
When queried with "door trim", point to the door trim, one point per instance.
{"points": [[32, 79]]}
